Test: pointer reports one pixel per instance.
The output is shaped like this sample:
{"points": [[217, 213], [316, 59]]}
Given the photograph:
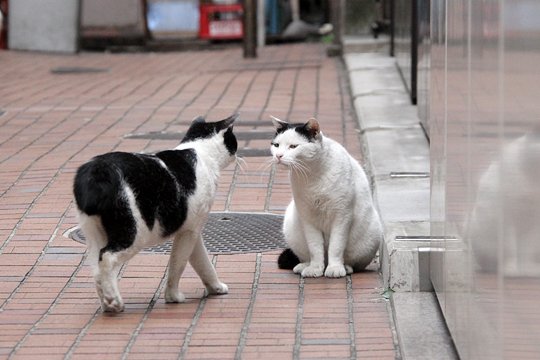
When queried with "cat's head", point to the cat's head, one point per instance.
{"points": [[215, 139], [295, 145]]}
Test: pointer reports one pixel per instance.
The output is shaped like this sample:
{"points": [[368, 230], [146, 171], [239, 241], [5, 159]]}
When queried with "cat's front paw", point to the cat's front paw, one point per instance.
{"points": [[174, 296], [300, 267], [335, 271], [112, 304], [218, 289], [313, 271]]}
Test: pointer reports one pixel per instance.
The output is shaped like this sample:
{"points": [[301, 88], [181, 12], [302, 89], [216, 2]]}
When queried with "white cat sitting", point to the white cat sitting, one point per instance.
{"points": [[331, 225]]}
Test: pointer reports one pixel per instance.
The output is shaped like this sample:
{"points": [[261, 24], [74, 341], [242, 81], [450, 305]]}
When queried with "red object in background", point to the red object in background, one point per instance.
{"points": [[4, 25], [221, 22]]}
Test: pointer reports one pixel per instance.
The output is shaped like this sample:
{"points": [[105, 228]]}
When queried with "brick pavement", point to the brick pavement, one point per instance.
{"points": [[54, 122]]}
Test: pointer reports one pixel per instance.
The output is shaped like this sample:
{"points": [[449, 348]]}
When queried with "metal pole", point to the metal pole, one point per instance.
{"points": [[146, 29], [250, 28], [392, 27], [261, 26]]}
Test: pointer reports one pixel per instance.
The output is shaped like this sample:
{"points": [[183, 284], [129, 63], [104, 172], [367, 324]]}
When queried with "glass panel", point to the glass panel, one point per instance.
{"points": [[485, 150]]}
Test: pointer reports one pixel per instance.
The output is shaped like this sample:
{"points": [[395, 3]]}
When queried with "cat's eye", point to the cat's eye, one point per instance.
{"points": [[274, 144], [292, 146]]}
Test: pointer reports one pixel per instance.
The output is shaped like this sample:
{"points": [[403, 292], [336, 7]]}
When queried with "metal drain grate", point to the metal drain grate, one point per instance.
{"points": [[229, 233]]}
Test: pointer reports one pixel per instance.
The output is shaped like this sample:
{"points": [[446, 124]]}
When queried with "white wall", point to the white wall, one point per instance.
{"points": [[108, 13], [44, 25]]}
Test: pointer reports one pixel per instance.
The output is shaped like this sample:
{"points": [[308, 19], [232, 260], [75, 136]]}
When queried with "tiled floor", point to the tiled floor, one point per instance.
{"points": [[54, 122]]}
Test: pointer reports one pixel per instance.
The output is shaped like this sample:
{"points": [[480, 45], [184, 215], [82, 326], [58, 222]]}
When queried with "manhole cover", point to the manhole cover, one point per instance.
{"points": [[228, 233]]}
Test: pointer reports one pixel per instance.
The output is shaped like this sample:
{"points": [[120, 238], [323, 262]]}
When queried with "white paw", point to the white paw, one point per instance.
{"points": [[335, 271], [300, 267], [218, 289], [174, 296], [349, 269], [112, 304], [313, 271]]}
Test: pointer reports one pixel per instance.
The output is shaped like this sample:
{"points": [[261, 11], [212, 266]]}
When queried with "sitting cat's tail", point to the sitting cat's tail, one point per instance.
{"points": [[288, 260], [96, 187]]}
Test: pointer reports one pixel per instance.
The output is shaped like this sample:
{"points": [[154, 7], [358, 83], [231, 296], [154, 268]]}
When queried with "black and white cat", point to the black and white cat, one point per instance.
{"points": [[128, 201], [331, 225]]}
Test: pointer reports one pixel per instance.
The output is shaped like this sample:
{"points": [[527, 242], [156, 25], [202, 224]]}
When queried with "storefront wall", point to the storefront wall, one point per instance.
{"points": [[483, 108], [38, 25]]}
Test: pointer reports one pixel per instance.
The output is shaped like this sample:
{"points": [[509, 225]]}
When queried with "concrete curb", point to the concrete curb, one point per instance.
{"points": [[397, 158]]}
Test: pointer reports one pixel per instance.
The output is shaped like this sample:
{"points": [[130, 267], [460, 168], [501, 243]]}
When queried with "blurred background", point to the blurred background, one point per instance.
{"points": [[57, 25]]}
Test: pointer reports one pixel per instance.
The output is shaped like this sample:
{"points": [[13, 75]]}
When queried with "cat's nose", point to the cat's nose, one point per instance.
{"points": [[279, 156]]}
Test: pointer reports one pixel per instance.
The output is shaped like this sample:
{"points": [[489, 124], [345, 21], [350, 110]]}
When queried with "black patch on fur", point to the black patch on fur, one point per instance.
{"points": [[299, 128], [284, 127], [302, 130], [160, 193], [230, 141], [288, 260], [172, 212], [200, 129], [94, 182], [97, 191]]}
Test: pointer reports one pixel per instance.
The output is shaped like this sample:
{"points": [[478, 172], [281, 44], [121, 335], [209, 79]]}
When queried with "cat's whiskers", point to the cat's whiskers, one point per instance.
{"points": [[300, 168], [305, 169], [264, 169], [241, 164], [266, 165]]}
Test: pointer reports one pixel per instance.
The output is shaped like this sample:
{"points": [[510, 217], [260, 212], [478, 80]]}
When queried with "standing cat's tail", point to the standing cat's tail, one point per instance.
{"points": [[96, 188], [288, 260]]}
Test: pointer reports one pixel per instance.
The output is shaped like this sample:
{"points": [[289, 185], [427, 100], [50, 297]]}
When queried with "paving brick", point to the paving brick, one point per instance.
{"points": [[52, 124]]}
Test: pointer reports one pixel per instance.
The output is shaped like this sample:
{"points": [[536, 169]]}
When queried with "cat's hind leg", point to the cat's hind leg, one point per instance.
{"points": [[120, 233], [293, 230], [182, 249], [364, 243], [204, 268], [104, 264], [106, 278]]}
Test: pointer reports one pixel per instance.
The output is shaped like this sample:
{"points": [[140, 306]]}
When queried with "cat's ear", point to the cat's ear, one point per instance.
{"points": [[280, 125], [198, 120], [313, 128], [227, 123]]}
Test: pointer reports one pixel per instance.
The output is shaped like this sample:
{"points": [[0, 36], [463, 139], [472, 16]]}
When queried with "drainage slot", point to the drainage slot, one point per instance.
{"points": [[410, 174], [77, 70], [163, 135], [426, 238]]}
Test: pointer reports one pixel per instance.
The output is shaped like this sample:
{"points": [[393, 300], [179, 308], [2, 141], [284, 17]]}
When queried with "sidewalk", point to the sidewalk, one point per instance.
{"points": [[54, 121]]}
